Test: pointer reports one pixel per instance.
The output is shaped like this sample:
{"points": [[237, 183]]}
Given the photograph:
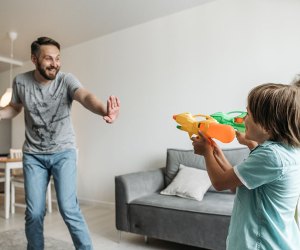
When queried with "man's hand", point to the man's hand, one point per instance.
{"points": [[92, 103], [113, 109]]}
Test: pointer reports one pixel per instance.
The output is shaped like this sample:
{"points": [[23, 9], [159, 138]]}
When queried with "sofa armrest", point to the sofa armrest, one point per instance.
{"points": [[132, 186]]}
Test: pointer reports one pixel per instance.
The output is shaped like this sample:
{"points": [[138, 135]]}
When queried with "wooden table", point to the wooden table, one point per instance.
{"points": [[7, 164]]}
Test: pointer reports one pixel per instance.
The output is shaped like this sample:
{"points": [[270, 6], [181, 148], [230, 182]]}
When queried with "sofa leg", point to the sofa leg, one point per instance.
{"points": [[146, 239]]}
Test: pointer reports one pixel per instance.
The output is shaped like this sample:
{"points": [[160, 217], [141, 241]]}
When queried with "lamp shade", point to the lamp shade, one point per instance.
{"points": [[5, 99]]}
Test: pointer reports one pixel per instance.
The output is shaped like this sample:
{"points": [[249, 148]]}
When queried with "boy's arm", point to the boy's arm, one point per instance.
{"points": [[222, 161], [92, 103], [10, 111], [219, 169]]}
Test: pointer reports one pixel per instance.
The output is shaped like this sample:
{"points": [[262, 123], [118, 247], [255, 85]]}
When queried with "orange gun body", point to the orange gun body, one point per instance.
{"points": [[209, 127]]}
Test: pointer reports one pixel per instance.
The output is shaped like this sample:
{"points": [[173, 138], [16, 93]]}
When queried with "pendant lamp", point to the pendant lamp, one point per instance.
{"points": [[5, 99]]}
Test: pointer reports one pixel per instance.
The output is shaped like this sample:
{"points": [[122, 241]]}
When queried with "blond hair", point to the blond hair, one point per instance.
{"points": [[297, 83], [296, 80], [276, 107]]}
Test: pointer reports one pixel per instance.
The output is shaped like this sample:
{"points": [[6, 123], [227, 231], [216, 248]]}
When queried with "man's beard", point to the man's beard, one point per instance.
{"points": [[43, 72]]}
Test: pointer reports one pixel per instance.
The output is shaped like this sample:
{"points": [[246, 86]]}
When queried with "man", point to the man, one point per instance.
{"points": [[49, 148]]}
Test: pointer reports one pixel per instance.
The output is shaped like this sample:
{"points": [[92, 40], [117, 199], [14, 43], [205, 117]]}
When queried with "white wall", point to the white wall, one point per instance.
{"points": [[202, 60], [5, 125]]}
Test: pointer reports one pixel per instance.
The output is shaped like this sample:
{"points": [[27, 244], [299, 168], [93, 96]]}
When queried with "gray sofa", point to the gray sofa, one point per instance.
{"points": [[141, 209]]}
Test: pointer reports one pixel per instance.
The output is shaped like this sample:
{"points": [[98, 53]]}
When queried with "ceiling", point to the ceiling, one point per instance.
{"points": [[71, 22]]}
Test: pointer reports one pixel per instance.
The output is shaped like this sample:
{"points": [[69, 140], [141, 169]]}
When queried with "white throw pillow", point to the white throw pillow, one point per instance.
{"points": [[191, 183]]}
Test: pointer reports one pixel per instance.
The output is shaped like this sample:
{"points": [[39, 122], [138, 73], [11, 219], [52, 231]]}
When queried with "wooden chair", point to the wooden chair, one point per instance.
{"points": [[2, 178], [17, 181], [15, 153]]}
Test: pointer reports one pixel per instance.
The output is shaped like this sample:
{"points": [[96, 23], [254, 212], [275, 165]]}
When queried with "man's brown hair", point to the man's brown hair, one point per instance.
{"points": [[276, 107], [36, 45]]}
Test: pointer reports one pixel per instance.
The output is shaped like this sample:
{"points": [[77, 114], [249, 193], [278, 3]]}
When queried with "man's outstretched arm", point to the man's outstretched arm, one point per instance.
{"points": [[10, 111], [92, 103]]}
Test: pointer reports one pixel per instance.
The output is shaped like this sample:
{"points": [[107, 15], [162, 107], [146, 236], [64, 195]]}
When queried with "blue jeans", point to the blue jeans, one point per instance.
{"points": [[37, 171]]}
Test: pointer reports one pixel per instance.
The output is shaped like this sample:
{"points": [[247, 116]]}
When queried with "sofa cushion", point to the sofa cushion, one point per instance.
{"points": [[175, 157], [212, 203], [190, 183], [181, 220]]}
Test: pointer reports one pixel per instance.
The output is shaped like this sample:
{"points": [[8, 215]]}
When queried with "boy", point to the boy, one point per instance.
{"points": [[268, 181]]}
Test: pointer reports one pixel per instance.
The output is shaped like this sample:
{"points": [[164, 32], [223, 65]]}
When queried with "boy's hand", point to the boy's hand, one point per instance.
{"points": [[113, 109], [202, 144], [242, 140]]}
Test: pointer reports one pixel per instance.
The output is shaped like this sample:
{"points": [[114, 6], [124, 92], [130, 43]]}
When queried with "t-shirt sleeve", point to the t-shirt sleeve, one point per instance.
{"points": [[72, 84], [15, 99], [262, 166]]}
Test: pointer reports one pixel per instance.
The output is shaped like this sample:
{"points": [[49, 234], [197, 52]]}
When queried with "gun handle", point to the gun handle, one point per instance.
{"points": [[221, 132], [190, 134]]}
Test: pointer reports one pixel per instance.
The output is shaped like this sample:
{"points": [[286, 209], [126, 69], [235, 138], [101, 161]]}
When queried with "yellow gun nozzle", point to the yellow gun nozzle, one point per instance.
{"points": [[174, 117]]}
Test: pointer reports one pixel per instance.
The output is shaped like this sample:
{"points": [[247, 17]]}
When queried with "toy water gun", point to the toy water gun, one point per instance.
{"points": [[208, 126], [233, 118]]}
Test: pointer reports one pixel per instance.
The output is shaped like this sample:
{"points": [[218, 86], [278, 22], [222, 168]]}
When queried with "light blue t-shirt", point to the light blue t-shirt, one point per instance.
{"points": [[264, 207], [47, 109]]}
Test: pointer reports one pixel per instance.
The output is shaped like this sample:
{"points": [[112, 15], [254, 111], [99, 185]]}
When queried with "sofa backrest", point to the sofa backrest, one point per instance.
{"points": [[175, 157]]}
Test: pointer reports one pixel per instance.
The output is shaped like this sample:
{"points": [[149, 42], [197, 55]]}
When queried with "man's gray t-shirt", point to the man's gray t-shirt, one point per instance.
{"points": [[48, 126]]}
